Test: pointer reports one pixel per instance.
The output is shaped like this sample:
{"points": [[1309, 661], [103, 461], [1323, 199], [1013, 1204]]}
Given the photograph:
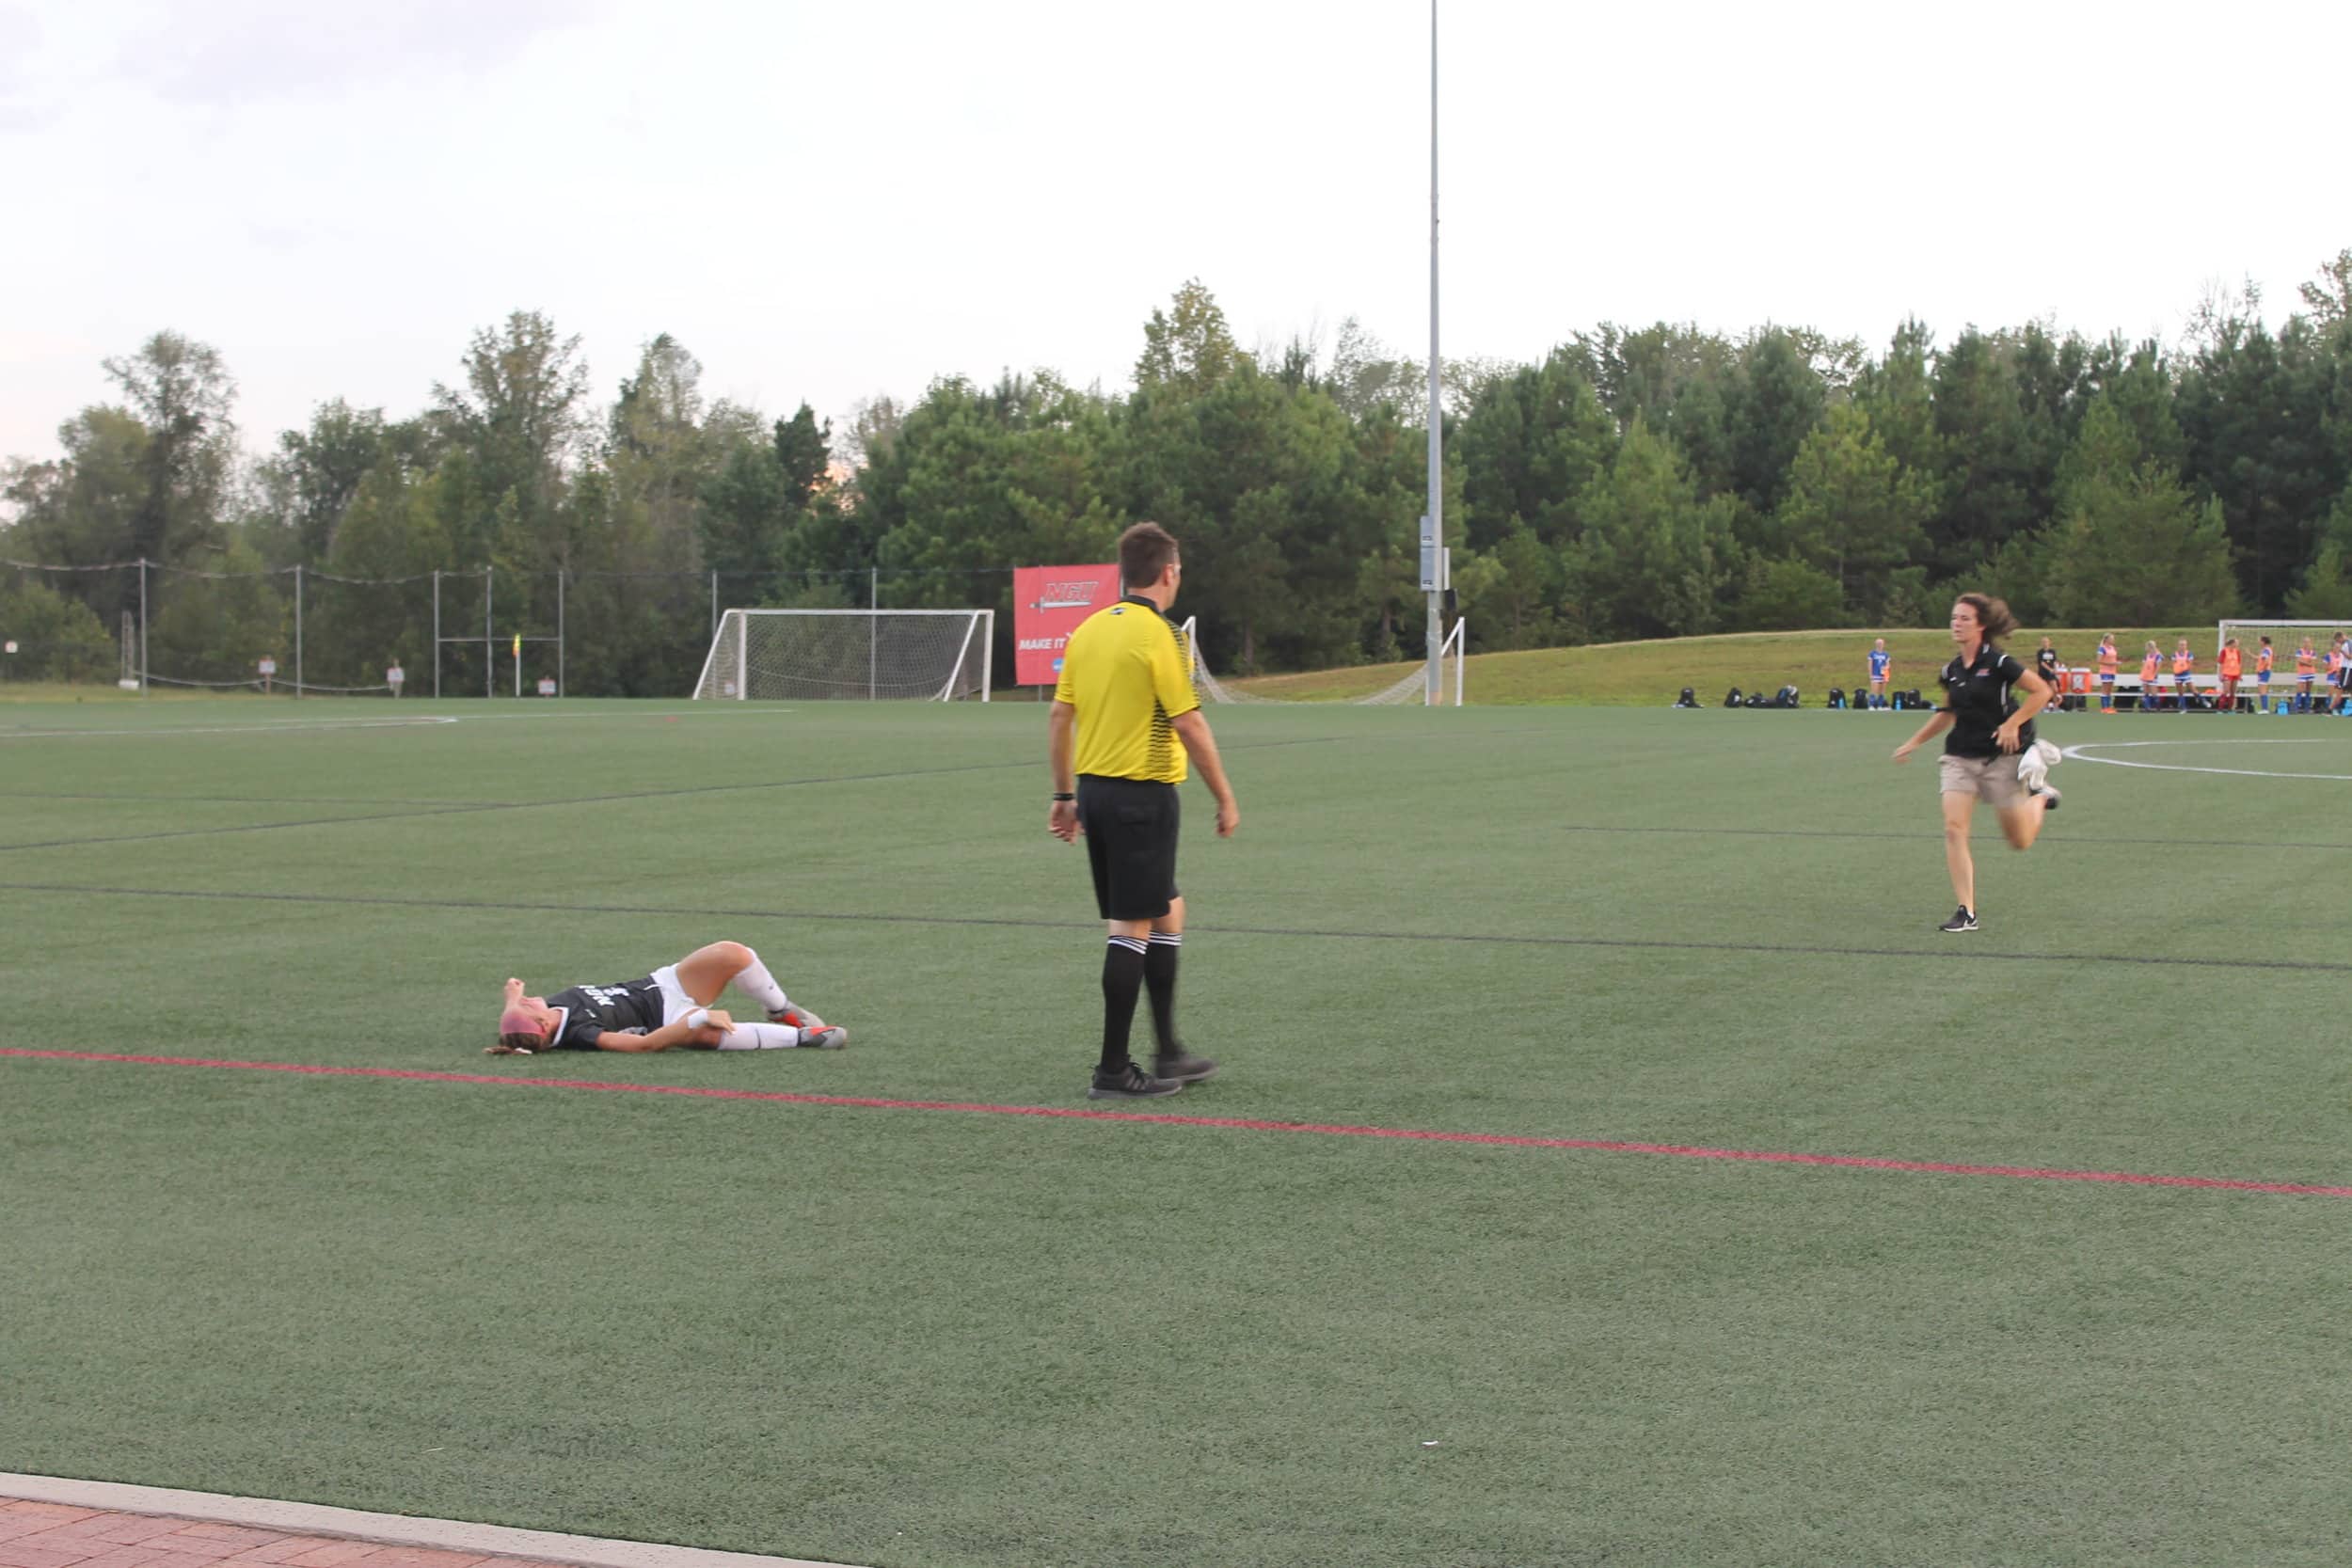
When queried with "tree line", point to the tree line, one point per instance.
{"points": [[1636, 483]]}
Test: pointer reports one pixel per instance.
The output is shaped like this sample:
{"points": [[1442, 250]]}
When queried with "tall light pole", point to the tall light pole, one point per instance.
{"points": [[1433, 554]]}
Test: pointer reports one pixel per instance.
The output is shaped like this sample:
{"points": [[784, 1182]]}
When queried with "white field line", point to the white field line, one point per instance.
{"points": [[300, 726], [2083, 753], [296, 726]]}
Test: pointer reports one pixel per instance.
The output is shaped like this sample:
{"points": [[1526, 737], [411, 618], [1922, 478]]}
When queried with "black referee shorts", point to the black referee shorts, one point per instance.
{"points": [[1130, 845]]}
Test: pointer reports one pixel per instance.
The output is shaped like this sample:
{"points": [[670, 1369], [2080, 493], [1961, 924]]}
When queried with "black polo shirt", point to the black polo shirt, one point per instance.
{"points": [[1981, 696]]}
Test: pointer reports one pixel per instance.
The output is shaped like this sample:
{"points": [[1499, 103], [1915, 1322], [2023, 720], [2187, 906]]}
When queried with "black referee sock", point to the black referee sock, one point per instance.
{"points": [[1122, 979], [1159, 978]]}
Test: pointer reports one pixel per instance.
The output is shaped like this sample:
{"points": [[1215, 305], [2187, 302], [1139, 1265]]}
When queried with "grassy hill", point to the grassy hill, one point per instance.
{"points": [[1646, 675]]}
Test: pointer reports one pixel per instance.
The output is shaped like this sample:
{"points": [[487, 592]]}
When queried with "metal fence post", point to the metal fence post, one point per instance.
{"points": [[142, 626], [437, 633], [489, 637], [561, 690], [297, 630]]}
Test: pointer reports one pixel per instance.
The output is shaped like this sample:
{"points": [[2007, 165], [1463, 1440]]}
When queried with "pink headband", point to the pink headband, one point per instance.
{"points": [[516, 1022]]}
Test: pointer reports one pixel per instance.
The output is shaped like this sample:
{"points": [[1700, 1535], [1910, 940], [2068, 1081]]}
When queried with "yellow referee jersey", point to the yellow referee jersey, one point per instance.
{"points": [[1125, 671]]}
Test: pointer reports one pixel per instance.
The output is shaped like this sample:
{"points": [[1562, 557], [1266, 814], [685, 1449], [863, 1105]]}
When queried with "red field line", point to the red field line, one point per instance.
{"points": [[1245, 1124]]}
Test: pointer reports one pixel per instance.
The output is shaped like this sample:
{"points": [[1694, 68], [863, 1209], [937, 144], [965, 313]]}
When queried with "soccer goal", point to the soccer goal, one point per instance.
{"points": [[1411, 689], [2321, 631], [931, 656]]}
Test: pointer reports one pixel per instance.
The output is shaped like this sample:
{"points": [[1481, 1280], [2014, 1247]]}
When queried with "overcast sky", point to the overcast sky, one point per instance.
{"points": [[827, 202]]}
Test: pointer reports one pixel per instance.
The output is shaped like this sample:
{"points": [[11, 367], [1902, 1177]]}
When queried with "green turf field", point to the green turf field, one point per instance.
{"points": [[922, 1337]]}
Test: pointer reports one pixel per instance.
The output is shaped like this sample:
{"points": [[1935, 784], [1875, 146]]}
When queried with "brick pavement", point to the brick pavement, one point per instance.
{"points": [[52, 1535]]}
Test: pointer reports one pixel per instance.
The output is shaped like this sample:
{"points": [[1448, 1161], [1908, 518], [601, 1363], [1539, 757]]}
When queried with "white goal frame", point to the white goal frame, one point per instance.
{"points": [[2222, 634], [977, 647]]}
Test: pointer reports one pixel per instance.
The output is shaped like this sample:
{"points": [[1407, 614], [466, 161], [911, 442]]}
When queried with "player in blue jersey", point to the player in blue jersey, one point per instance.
{"points": [[1881, 668], [669, 1010]]}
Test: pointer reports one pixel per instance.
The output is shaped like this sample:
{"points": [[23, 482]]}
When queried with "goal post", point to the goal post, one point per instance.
{"points": [[936, 655]]}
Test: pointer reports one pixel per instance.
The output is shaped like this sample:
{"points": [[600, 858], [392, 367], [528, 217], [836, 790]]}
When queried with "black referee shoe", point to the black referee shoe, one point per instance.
{"points": [[1182, 1067], [1131, 1082], [1963, 919]]}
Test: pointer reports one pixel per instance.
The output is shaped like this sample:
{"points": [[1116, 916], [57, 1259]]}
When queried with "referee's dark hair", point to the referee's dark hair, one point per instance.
{"points": [[1993, 616], [1144, 552]]}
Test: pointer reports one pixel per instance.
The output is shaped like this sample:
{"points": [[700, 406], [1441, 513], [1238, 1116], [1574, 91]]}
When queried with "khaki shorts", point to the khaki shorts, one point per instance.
{"points": [[1992, 780]]}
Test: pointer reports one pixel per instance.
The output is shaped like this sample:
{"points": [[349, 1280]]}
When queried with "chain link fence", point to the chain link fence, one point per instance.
{"points": [[489, 631]]}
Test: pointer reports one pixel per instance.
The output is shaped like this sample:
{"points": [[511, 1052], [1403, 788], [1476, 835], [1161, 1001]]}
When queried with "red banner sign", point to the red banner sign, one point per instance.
{"points": [[1048, 602]]}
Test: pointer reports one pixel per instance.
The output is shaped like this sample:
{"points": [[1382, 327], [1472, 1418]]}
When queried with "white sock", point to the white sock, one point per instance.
{"points": [[759, 1037], [757, 983]]}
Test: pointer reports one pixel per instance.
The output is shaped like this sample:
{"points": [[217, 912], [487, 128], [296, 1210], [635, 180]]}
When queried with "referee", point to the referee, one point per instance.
{"points": [[1125, 701]]}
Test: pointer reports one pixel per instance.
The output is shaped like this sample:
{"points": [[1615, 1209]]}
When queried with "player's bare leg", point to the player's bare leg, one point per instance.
{"points": [[703, 974], [2022, 824], [1958, 811]]}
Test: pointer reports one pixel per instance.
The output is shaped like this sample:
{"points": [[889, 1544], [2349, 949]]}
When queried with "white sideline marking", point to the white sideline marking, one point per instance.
{"points": [[296, 726], [724, 710], [398, 1529], [290, 727], [2082, 753]]}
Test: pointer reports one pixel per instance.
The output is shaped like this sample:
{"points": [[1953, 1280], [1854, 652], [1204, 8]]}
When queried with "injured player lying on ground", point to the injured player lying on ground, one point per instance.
{"points": [[669, 1010]]}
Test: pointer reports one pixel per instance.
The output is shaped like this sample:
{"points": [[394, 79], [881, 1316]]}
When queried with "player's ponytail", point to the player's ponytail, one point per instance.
{"points": [[1993, 616]]}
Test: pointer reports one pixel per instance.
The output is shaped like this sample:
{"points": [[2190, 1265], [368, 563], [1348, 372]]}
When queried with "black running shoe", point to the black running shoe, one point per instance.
{"points": [[2050, 798], [1182, 1067], [1963, 919], [1130, 1082]]}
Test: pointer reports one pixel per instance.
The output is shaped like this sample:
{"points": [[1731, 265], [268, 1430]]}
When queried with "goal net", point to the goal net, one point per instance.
{"points": [[934, 656], [1408, 689]]}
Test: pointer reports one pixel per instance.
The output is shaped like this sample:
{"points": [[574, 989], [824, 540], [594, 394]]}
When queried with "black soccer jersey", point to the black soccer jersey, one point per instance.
{"points": [[631, 1007], [1979, 696]]}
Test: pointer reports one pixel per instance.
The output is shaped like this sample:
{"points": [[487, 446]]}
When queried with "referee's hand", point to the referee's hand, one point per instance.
{"points": [[1228, 817], [1061, 820]]}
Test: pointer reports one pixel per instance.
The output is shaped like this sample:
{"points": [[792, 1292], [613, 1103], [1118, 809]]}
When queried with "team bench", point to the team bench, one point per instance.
{"points": [[2248, 690]]}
